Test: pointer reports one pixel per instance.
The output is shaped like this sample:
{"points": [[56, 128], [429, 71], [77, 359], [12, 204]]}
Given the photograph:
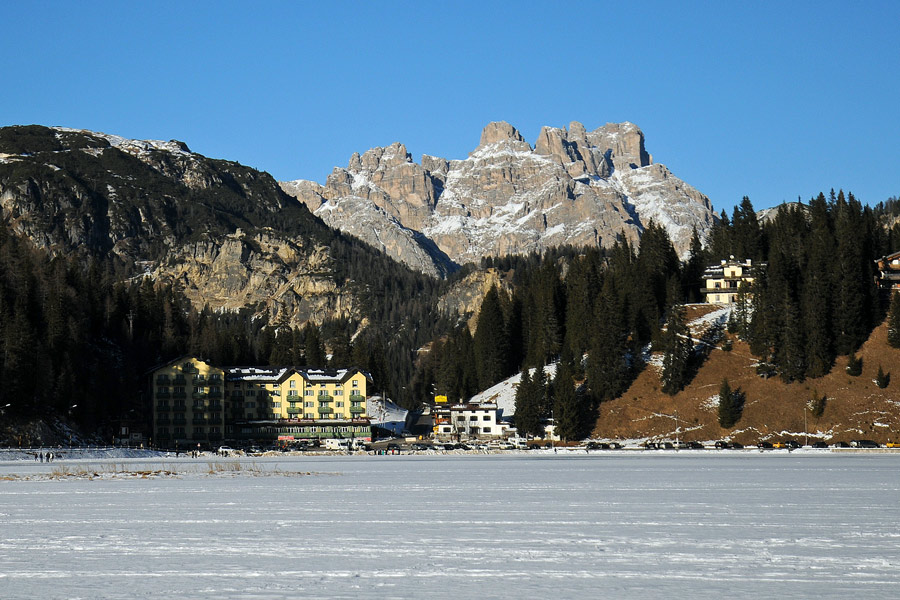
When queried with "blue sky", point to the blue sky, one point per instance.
{"points": [[771, 100]]}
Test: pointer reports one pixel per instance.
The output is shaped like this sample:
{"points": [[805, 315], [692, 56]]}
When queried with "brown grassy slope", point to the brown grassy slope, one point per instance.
{"points": [[855, 409]]}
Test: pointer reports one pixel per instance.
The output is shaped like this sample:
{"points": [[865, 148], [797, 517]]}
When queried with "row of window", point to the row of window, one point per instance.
{"points": [[474, 430], [473, 418]]}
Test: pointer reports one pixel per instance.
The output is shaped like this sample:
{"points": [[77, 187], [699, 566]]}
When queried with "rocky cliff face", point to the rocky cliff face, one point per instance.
{"points": [[223, 233], [573, 187]]}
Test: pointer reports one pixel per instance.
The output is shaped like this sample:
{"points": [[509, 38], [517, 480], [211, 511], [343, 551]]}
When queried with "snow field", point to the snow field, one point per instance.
{"points": [[607, 525]]}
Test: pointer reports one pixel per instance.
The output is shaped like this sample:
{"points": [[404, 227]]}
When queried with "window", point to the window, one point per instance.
{"points": [[250, 404], [251, 392], [323, 392], [308, 416], [292, 392], [473, 418], [338, 392], [276, 404], [309, 393], [447, 429], [486, 429], [293, 383], [355, 383], [249, 415], [339, 404], [323, 405], [486, 418], [309, 404]]}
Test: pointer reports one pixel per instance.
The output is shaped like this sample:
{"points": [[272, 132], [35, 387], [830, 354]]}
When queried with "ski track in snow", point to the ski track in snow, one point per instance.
{"points": [[615, 525]]}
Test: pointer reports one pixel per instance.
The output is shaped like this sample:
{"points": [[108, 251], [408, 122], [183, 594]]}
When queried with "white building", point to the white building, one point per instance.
{"points": [[468, 421]]}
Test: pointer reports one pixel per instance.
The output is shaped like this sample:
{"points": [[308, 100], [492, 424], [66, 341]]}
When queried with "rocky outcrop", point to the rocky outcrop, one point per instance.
{"points": [[276, 275], [575, 187]]}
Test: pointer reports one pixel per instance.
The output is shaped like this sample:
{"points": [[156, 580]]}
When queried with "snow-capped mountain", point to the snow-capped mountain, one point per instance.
{"points": [[573, 187]]}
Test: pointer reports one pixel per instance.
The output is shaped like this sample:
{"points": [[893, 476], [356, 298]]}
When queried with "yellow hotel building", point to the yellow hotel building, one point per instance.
{"points": [[195, 402]]}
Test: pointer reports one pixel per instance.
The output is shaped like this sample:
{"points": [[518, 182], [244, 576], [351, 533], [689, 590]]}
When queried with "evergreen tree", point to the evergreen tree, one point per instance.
{"points": [[314, 351], [893, 335], [527, 417], [607, 370], [818, 290], [677, 347], [730, 405], [490, 342], [854, 365], [569, 407], [882, 379]]}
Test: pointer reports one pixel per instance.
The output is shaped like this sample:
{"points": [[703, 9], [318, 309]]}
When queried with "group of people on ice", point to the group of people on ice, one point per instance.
{"points": [[40, 456]]}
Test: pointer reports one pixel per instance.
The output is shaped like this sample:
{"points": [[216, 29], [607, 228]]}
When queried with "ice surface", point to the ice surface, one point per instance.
{"points": [[606, 525]]}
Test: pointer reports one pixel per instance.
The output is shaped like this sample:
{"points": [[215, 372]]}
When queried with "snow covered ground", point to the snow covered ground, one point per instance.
{"points": [[605, 525]]}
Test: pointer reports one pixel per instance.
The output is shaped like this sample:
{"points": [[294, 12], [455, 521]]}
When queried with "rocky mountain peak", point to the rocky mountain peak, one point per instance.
{"points": [[499, 131], [574, 187]]}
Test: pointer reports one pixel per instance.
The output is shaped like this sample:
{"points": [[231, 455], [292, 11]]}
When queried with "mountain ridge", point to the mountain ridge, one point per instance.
{"points": [[573, 187]]}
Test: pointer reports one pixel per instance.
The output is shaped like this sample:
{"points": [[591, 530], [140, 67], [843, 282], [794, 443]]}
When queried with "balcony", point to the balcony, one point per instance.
{"points": [[357, 398], [196, 421], [163, 394], [325, 398], [325, 410], [179, 380], [215, 406], [294, 411], [215, 421], [162, 408], [163, 421], [216, 394], [178, 421], [181, 394], [163, 380], [179, 408], [357, 410], [199, 395], [189, 369]]}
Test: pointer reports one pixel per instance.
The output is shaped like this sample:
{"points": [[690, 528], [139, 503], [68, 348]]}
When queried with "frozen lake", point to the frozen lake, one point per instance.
{"points": [[609, 525]]}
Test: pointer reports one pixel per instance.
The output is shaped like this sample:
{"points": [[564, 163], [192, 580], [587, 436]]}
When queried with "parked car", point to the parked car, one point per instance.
{"points": [[695, 445], [864, 444], [723, 445], [737, 445], [792, 444], [840, 445], [820, 444], [765, 445], [592, 446]]}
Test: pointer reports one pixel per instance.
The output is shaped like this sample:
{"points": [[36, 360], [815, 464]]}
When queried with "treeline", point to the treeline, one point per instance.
{"points": [[594, 311], [817, 298], [562, 306], [77, 342]]}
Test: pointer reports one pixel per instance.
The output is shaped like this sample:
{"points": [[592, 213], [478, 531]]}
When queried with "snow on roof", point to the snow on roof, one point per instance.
{"points": [[255, 373]]}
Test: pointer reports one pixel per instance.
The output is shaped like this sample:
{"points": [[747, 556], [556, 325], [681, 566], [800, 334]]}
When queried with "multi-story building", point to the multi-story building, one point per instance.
{"points": [[256, 403], [724, 281], [888, 277], [467, 421]]}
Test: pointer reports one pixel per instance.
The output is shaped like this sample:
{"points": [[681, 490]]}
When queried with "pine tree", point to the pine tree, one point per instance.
{"points": [[569, 408], [607, 370], [893, 335], [490, 342], [882, 379], [677, 347], [854, 365], [730, 405], [527, 417]]}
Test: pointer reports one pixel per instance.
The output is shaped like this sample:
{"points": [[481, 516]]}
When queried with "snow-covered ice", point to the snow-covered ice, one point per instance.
{"points": [[626, 524]]}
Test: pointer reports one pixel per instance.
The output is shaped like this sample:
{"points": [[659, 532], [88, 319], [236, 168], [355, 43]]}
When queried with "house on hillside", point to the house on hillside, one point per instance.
{"points": [[888, 276], [724, 281], [196, 403]]}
